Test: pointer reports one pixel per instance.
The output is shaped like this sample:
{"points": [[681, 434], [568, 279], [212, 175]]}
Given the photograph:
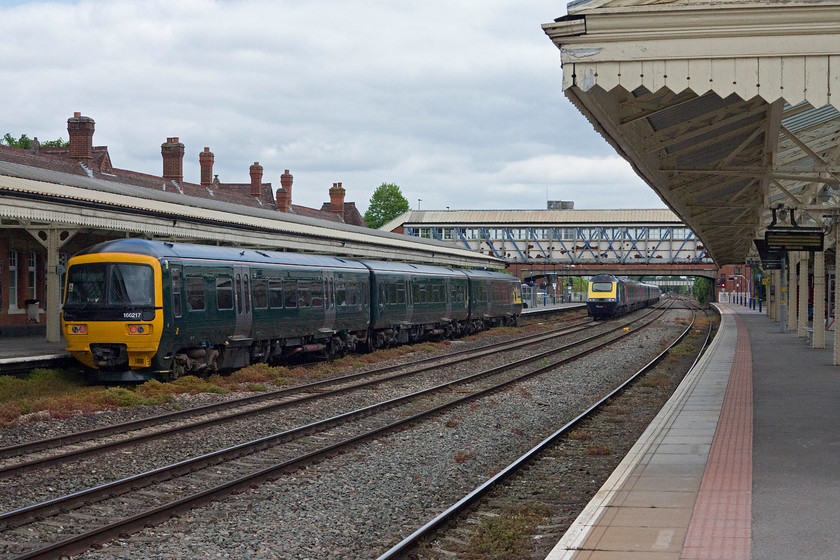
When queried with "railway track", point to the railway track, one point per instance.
{"points": [[72, 446], [195, 481], [452, 521]]}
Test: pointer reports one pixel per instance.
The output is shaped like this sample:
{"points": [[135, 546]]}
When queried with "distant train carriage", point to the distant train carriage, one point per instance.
{"points": [[611, 296], [411, 302], [495, 298], [137, 309]]}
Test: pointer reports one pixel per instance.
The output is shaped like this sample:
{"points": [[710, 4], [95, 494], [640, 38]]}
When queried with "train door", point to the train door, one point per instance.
{"points": [[447, 297], [329, 300], [409, 300], [175, 295], [242, 303]]}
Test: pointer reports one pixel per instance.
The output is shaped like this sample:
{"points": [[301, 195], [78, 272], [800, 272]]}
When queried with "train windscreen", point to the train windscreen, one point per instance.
{"points": [[110, 284], [602, 286]]}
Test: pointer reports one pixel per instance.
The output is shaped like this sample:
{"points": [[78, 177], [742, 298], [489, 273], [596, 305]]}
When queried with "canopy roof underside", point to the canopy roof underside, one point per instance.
{"points": [[726, 109]]}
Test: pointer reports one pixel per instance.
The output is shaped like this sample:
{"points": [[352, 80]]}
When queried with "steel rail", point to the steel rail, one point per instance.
{"points": [[458, 507], [83, 541], [26, 514], [32, 446], [459, 357]]}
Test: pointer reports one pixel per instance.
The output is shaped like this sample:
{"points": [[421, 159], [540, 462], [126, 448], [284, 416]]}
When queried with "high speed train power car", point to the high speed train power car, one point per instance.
{"points": [[611, 296], [136, 309]]}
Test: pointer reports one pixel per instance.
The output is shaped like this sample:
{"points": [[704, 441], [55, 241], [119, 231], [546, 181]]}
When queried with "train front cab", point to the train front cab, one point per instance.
{"points": [[112, 316], [604, 297]]}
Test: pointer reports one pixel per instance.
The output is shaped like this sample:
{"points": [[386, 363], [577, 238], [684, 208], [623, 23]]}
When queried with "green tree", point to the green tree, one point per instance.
{"points": [[386, 204], [25, 142], [703, 290]]}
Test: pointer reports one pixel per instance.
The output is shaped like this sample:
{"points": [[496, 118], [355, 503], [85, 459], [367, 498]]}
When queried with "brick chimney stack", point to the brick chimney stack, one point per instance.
{"points": [[173, 159], [337, 199], [256, 179], [205, 159], [80, 130], [286, 183], [282, 200]]}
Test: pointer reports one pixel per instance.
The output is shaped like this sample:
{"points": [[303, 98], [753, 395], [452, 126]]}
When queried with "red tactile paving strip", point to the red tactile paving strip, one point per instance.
{"points": [[721, 522]]}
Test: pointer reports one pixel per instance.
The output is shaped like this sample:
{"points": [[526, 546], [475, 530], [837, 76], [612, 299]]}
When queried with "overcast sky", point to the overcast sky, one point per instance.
{"points": [[458, 102]]}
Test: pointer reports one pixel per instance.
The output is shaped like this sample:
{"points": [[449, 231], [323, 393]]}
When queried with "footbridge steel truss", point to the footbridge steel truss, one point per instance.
{"points": [[597, 239], [576, 245]]}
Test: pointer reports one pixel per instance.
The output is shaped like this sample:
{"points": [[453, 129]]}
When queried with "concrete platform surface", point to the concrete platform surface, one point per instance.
{"points": [[741, 463]]}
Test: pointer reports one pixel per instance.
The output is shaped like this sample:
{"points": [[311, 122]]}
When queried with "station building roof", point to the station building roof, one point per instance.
{"points": [[533, 217], [37, 197]]}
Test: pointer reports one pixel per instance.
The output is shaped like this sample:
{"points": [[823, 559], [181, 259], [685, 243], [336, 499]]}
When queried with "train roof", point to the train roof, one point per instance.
{"points": [[489, 274], [604, 278], [393, 266], [167, 250], [611, 278]]}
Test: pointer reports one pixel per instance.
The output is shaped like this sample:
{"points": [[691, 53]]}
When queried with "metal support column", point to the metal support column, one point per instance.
{"points": [[53, 239], [836, 298], [802, 316], [819, 300], [782, 295], [791, 299]]}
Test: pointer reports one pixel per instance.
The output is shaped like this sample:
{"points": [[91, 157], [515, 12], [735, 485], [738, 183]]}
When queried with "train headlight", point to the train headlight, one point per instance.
{"points": [[78, 329], [139, 329]]}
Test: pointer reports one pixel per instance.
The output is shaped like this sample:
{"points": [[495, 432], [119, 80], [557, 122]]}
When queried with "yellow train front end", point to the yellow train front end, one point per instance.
{"points": [[112, 316], [602, 298]]}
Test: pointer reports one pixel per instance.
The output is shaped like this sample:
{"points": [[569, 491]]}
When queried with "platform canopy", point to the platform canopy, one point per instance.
{"points": [[726, 108]]}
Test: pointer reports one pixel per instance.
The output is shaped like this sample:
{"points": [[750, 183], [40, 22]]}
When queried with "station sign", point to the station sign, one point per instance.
{"points": [[770, 260], [794, 239]]}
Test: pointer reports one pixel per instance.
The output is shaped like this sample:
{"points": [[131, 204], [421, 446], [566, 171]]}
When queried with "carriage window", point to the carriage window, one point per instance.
{"points": [[195, 293], [224, 293], [275, 294], [304, 295], [340, 293], [401, 293], [602, 286], [259, 289], [392, 293], [290, 296], [354, 293], [317, 290]]}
